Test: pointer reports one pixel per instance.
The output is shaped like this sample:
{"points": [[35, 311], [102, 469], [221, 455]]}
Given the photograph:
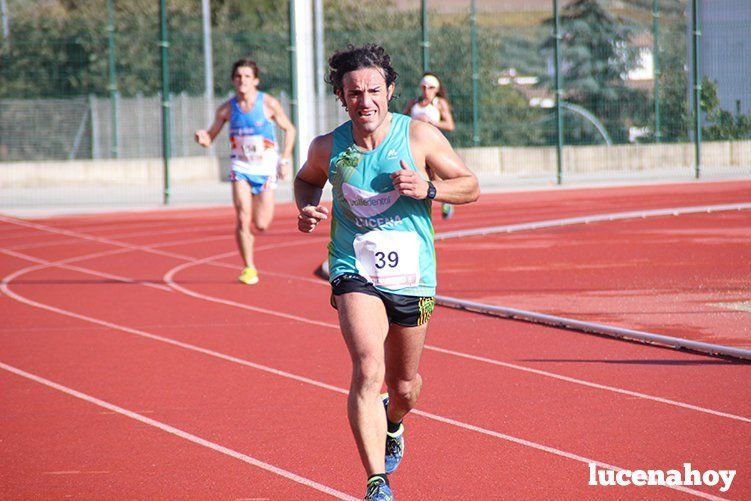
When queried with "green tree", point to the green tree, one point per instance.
{"points": [[721, 125], [597, 52], [674, 96], [59, 47]]}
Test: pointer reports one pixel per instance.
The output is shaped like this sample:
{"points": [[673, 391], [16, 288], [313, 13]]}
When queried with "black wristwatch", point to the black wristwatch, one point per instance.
{"points": [[431, 191]]}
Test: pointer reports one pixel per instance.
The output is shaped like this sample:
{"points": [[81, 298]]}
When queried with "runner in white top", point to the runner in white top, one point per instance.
{"points": [[432, 106]]}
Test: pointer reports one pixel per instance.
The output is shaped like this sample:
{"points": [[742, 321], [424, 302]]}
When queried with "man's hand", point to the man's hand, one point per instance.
{"points": [[408, 182], [284, 168], [310, 216], [202, 137]]}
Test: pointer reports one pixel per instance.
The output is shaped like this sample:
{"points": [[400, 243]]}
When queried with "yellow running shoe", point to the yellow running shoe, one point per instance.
{"points": [[249, 276]]}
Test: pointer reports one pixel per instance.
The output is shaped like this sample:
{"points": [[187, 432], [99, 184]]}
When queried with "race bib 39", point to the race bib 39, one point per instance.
{"points": [[389, 259]]}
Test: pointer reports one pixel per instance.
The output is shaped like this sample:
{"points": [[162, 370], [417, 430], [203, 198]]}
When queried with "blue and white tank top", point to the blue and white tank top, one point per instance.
{"points": [[375, 232], [252, 138]]}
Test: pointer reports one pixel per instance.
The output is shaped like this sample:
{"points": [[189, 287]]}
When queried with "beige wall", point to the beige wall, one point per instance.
{"points": [[530, 162], [505, 161], [148, 171]]}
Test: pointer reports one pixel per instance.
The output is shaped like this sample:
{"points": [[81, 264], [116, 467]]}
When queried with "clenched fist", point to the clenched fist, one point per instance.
{"points": [[310, 216], [408, 182]]}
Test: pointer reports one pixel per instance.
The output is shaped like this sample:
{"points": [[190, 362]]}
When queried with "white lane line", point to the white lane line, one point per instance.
{"points": [[169, 279], [319, 384], [616, 216], [181, 434], [593, 385], [153, 249], [209, 260], [578, 325], [736, 305], [63, 264], [73, 240], [106, 241], [166, 340], [551, 450], [43, 263]]}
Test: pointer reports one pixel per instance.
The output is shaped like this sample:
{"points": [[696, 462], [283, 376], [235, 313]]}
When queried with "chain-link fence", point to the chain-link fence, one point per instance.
{"points": [[80, 86]]}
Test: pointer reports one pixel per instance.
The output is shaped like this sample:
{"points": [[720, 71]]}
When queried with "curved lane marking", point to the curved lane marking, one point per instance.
{"points": [[210, 260], [180, 433], [319, 384], [169, 280]]}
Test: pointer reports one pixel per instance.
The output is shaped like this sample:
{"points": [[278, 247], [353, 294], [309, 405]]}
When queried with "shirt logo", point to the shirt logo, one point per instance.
{"points": [[392, 154], [365, 203]]}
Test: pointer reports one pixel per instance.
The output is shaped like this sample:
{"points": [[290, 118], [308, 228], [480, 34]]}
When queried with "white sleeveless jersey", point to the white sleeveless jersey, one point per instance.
{"points": [[430, 111]]}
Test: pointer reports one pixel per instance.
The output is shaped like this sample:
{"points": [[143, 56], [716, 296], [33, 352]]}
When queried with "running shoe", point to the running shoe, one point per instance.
{"points": [[378, 490], [249, 276], [394, 443], [447, 210]]}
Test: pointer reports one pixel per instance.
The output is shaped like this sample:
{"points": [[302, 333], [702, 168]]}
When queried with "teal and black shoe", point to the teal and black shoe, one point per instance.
{"points": [[378, 490], [394, 443]]}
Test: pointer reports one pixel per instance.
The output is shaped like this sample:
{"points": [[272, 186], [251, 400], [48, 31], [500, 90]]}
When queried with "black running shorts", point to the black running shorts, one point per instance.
{"points": [[407, 311]]}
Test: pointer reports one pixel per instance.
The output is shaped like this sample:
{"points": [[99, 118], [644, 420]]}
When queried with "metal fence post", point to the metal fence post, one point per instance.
{"points": [[558, 96], [95, 132], [656, 61], [696, 28], [114, 115], [475, 76], [320, 67], [293, 79], [208, 65], [164, 44], [6, 24]]}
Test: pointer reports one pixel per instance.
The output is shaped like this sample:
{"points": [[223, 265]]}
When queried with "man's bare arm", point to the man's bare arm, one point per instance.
{"points": [[284, 123], [309, 184], [206, 137], [456, 184]]}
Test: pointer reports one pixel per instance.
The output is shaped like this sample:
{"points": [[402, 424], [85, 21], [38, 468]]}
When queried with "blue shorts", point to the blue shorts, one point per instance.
{"points": [[258, 184]]}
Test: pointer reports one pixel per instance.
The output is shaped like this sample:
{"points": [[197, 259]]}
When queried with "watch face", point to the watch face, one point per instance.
{"points": [[431, 191]]}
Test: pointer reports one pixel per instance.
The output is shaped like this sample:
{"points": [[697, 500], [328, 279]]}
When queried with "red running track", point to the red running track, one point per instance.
{"points": [[138, 367], [684, 275]]}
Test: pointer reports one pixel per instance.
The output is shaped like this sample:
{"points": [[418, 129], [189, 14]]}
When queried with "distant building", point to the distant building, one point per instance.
{"points": [[537, 97], [643, 75]]}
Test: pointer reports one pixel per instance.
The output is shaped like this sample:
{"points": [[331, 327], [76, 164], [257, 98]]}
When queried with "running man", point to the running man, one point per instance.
{"points": [[255, 159], [381, 254], [432, 106]]}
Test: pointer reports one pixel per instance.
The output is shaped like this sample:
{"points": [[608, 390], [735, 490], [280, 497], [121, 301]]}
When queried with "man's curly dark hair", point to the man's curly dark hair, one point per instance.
{"points": [[354, 58]]}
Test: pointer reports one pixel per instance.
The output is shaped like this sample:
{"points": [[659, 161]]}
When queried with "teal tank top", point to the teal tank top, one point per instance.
{"points": [[375, 232]]}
